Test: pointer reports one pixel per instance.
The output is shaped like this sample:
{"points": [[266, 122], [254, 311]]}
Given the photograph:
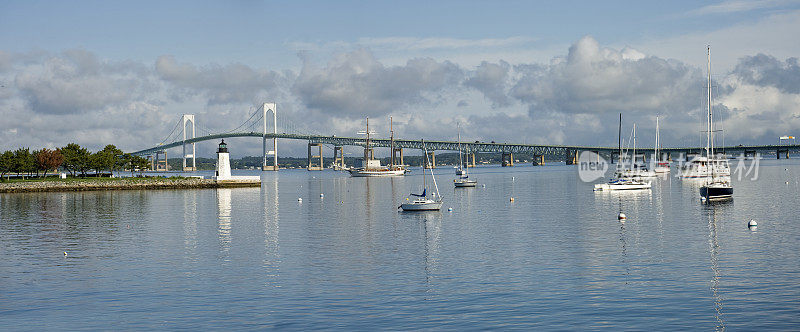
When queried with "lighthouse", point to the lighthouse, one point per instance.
{"points": [[223, 162]]}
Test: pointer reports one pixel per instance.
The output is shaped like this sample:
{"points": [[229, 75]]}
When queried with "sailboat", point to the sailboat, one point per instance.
{"points": [[662, 166], [463, 180], [622, 182], [637, 169], [421, 202], [372, 167], [716, 186]]}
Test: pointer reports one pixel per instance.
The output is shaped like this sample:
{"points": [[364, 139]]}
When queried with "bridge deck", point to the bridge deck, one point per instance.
{"points": [[548, 150]]}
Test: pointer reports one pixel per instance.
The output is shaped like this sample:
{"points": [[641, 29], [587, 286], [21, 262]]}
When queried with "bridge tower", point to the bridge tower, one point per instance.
{"points": [[189, 118], [270, 107]]}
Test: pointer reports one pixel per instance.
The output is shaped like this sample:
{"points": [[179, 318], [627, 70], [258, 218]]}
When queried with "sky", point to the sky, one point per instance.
{"points": [[549, 72]]}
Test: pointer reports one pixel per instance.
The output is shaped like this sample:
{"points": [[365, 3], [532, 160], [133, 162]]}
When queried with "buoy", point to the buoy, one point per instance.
{"points": [[787, 182], [65, 253], [512, 178], [321, 195], [622, 216], [484, 186], [299, 199], [450, 209], [752, 223], [512, 199]]}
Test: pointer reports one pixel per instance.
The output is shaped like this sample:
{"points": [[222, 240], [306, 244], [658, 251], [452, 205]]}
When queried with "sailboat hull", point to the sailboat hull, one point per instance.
{"points": [[428, 205], [716, 192], [376, 173], [465, 183]]}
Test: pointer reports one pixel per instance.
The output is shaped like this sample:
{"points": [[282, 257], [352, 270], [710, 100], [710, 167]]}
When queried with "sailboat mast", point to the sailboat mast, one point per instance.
{"points": [[366, 147], [657, 156], [460, 161], [391, 133], [709, 123], [633, 160], [619, 138]]}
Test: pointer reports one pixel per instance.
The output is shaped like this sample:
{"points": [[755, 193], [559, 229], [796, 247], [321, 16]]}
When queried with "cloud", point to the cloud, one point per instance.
{"points": [[491, 79], [76, 81], [764, 70], [229, 84], [738, 6], [594, 79], [356, 84]]}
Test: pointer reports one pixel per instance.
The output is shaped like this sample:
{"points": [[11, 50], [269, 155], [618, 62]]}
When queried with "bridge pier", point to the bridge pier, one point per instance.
{"points": [[432, 158], [570, 157], [338, 158], [395, 159], [507, 159], [538, 160], [269, 107], [311, 157], [778, 153], [473, 159], [158, 164], [189, 118]]}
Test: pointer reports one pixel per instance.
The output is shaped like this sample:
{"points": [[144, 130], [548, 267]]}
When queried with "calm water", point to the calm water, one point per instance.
{"points": [[555, 258]]}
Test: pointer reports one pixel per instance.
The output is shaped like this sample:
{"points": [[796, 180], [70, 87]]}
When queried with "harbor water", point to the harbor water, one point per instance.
{"points": [[344, 257]]}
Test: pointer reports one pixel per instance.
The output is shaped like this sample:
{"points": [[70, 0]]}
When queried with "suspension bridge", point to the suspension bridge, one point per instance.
{"points": [[265, 123]]}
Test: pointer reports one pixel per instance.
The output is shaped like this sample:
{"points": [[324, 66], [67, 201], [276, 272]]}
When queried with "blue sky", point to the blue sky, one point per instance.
{"points": [[556, 71]]}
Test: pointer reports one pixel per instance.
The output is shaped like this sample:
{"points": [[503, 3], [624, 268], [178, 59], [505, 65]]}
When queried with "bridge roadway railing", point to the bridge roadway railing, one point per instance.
{"points": [[545, 150]]}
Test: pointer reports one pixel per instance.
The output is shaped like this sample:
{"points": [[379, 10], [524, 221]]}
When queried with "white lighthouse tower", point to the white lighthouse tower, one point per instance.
{"points": [[223, 162]]}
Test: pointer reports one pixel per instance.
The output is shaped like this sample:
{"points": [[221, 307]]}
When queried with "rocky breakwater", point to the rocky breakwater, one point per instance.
{"points": [[118, 184]]}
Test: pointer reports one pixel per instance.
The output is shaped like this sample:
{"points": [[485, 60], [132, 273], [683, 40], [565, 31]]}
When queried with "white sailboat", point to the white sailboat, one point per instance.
{"points": [[421, 202], [716, 186], [622, 182], [636, 169], [463, 180], [661, 166]]}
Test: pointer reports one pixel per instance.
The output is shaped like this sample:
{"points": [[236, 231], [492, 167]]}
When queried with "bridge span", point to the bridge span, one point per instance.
{"points": [[569, 153], [258, 125]]}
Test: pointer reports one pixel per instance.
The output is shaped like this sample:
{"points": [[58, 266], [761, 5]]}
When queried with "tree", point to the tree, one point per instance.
{"points": [[140, 163], [24, 162], [47, 159], [6, 163], [76, 158], [106, 159]]}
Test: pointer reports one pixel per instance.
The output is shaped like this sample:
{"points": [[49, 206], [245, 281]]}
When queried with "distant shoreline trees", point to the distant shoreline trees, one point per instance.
{"points": [[73, 158]]}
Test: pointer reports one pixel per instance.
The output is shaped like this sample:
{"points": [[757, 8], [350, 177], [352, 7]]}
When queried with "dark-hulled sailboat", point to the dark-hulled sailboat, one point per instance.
{"points": [[716, 187]]}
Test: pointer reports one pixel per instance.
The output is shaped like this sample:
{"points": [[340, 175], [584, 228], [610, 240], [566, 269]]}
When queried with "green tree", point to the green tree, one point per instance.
{"points": [[6, 163], [47, 159], [106, 159], [24, 161], [139, 163], [76, 158]]}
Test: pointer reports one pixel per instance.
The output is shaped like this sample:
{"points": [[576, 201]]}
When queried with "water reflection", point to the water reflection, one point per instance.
{"points": [[190, 224], [713, 248], [224, 218], [270, 202]]}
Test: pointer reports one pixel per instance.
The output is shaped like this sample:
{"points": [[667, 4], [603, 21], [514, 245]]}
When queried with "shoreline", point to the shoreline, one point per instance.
{"points": [[122, 184]]}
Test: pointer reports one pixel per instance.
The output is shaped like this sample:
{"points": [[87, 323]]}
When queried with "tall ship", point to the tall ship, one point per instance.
{"points": [[371, 167]]}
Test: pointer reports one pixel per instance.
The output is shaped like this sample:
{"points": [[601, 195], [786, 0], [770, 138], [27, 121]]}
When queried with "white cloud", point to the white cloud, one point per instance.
{"points": [[737, 6]]}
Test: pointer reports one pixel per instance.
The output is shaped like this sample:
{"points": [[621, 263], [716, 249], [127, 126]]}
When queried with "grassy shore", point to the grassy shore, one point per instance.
{"points": [[133, 183]]}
